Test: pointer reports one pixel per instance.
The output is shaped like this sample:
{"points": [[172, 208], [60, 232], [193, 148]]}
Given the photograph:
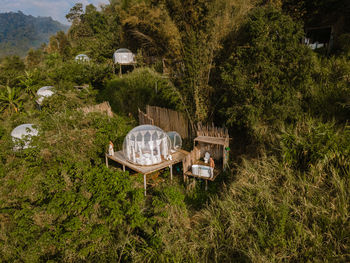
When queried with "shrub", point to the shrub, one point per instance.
{"points": [[268, 75], [137, 89]]}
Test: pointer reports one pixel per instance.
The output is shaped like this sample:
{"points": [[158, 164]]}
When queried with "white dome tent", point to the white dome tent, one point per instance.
{"points": [[23, 133], [123, 56], [43, 93], [82, 58], [146, 145], [176, 141]]}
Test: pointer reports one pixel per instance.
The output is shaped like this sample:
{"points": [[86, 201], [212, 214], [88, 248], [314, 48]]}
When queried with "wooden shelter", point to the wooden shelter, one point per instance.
{"points": [[209, 139]]}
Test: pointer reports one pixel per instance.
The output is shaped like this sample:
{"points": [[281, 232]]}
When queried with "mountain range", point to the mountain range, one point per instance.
{"points": [[20, 32]]}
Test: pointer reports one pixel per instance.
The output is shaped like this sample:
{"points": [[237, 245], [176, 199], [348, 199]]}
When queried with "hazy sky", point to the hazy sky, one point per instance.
{"points": [[57, 9]]}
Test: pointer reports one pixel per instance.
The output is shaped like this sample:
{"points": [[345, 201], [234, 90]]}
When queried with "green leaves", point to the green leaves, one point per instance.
{"points": [[10, 99], [267, 77]]}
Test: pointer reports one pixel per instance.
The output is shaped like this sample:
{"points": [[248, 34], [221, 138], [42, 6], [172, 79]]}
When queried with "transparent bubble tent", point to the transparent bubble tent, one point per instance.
{"points": [[82, 58], [176, 141], [23, 132], [43, 93], [123, 56], [146, 145]]}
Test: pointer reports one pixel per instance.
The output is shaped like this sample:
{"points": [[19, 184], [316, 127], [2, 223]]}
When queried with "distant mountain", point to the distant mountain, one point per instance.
{"points": [[20, 32]]}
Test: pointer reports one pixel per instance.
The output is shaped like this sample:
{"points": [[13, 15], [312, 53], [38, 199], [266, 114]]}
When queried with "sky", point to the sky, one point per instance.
{"points": [[57, 9]]}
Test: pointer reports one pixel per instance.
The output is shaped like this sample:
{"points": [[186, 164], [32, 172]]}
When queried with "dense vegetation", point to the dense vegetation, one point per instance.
{"points": [[286, 194], [20, 32]]}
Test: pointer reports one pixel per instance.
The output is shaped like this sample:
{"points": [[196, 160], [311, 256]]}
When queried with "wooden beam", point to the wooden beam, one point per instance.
{"points": [[123, 168], [106, 160], [145, 184]]}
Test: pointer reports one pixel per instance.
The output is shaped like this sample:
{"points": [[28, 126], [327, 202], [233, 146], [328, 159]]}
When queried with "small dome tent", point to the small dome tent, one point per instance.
{"points": [[82, 58], [24, 133], [176, 141], [123, 56], [146, 145], [43, 93]]}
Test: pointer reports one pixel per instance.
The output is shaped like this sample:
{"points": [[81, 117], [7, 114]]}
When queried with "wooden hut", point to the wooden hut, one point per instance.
{"points": [[214, 141]]}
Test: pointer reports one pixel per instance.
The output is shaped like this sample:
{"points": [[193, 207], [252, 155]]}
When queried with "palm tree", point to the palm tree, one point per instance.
{"points": [[10, 98]]}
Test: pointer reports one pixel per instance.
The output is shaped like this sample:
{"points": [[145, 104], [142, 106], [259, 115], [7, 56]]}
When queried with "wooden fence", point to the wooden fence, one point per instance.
{"points": [[190, 159], [145, 119], [211, 131], [166, 119]]}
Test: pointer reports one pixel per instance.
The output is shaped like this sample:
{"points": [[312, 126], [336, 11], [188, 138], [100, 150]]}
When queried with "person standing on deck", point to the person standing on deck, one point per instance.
{"points": [[111, 148], [212, 166]]}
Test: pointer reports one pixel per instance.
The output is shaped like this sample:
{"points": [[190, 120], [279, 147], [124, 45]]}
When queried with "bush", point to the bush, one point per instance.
{"points": [[58, 201], [315, 144], [272, 214], [80, 73], [137, 89], [268, 75]]}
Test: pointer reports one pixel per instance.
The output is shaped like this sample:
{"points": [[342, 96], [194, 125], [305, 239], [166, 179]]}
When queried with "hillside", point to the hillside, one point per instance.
{"points": [[284, 195], [20, 32]]}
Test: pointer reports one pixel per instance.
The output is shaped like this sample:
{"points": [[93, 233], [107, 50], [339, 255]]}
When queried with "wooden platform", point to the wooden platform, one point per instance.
{"points": [[119, 157], [147, 169]]}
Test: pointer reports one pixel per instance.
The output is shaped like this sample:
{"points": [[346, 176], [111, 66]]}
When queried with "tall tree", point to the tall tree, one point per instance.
{"points": [[200, 27]]}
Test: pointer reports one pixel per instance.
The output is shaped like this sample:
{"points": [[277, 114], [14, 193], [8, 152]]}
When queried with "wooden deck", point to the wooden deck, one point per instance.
{"points": [[147, 169]]}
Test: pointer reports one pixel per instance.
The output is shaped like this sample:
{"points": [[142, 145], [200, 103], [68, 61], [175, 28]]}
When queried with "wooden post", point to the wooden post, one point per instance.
{"points": [[106, 160], [123, 168], [171, 172], [120, 70], [206, 185], [144, 184]]}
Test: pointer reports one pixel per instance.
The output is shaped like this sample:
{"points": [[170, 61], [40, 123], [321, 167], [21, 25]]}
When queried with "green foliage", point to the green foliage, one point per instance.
{"points": [[79, 73], [272, 213], [10, 99], [67, 196], [96, 33], [137, 89], [330, 96], [10, 68], [58, 201], [314, 144], [268, 76]]}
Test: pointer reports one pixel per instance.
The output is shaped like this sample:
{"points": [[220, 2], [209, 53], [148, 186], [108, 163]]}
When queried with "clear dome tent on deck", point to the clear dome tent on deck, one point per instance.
{"points": [[43, 93], [82, 58], [23, 133], [123, 56], [146, 145], [147, 149], [176, 141]]}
